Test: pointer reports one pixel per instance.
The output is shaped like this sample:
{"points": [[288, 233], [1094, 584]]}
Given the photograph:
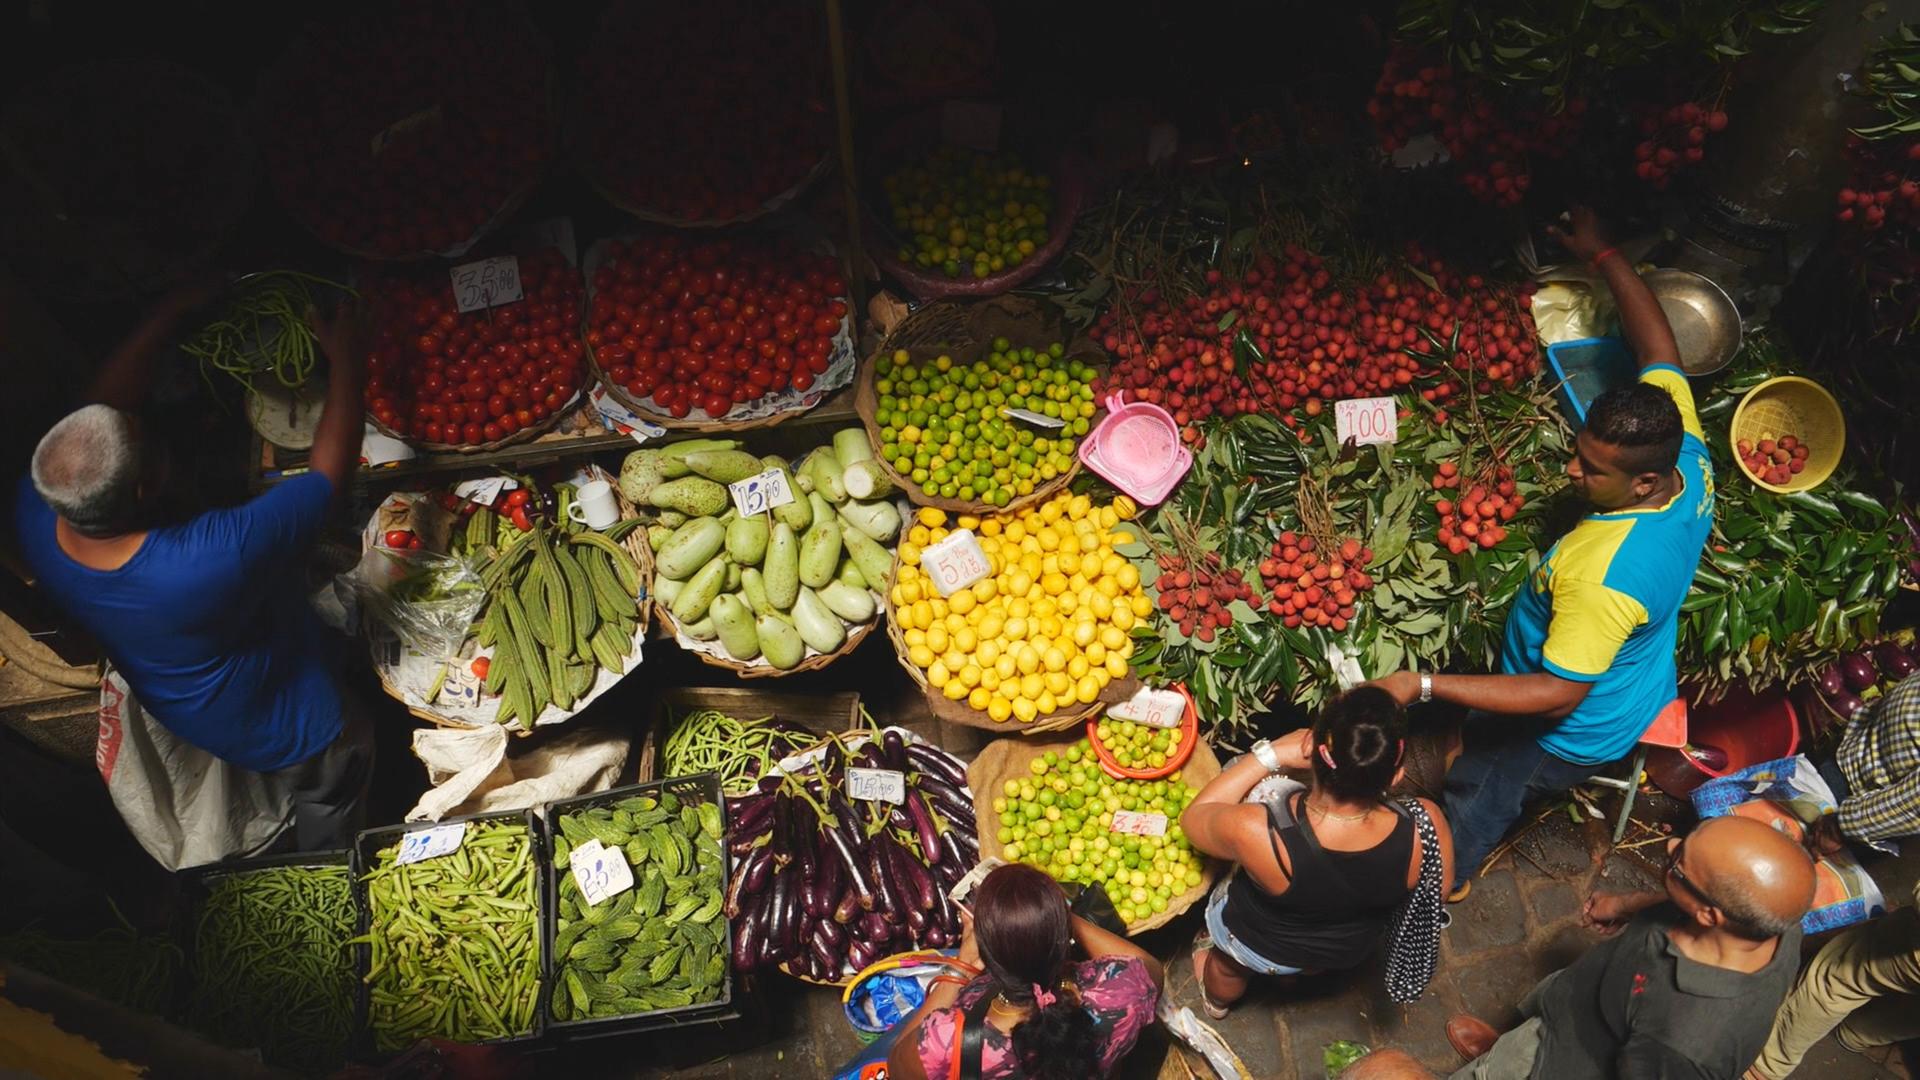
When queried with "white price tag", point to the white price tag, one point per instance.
{"points": [[1037, 419], [1367, 420], [618, 418], [431, 843], [483, 492], [955, 563], [1139, 823], [487, 283], [600, 871], [462, 688], [1346, 669], [1160, 708], [877, 785], [759, 494]]}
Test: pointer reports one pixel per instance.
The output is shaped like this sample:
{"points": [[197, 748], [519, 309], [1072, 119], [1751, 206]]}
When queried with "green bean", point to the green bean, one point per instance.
{"points": [[120, 965], [271, 968], [739, 750], [263, 328], [460, 926]]}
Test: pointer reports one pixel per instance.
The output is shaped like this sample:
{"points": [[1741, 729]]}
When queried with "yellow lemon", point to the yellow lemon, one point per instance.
{"points": [[1015, 532], [954, 690], [931, 515], [1078, 506], [1031, 562], [1018, 608], [918, 536], [1049, 564], [970, 676], [966, 521], [1087, 689], [1057, 683], [990, 527], [1089, 542], [1108, 519], [1076, 666], [1027, 659], [1116, 665], [1101, 605], [954, 623], [1123, 617], [1127, 575], [921, 656], [910, 552], [961, 602], [1049, 627], [1113, 637], [984, 590], [1126, 650], [937, 637], [989, 678], [1016, 629], [954, 659], [937, 606], [1120, 536], [979, 697], [937, 674], [1055, 660], [1096, 653], [897, 597], [1124, 508], [1101, 676], [965, 640], [1069, 601], [1024, 710], [1067, 562], [1005, 666], [1019, 583], [991, 625], [913, 635], [1107, 587], [1084, 632], [1142, 607], [1049, 540], [922, 614], [1053, 584], [998, 709], [1045, 704], [987, 651], [1032, 685]]}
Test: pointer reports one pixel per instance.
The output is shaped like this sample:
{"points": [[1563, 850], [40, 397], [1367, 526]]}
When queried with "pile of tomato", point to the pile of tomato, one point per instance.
{"points": [[439, 377], [377, 150], [1286, 338], [709, 324], [703, 112]]}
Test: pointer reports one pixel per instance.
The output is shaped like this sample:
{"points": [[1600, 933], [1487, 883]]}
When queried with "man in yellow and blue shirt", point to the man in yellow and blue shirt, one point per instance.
{"points": [[1588, 657]]}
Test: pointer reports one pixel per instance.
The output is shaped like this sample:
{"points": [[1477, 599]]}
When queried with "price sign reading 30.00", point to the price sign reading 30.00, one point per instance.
{"points": [[955, 563]]}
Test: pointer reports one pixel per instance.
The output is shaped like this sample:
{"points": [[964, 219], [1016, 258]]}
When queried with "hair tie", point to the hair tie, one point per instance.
{"points": [[1326, 755], [1042, 997]]}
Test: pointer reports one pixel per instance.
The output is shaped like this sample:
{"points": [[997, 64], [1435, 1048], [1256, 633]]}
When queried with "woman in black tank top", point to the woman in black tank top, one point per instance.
{"points": [[1321, 869]]}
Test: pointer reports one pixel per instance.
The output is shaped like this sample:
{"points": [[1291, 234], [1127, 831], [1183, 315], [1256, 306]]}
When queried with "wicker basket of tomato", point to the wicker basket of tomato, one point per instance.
{"points": [[479, 380], [716, 333], [703, 115], [380, 155]]}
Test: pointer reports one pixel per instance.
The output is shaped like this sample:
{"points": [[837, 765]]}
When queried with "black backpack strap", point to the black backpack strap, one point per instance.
{"points": [[973, 1037]]}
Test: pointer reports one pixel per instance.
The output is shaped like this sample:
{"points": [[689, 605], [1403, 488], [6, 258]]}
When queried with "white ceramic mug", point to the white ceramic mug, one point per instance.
{"points": [[593, 506]]}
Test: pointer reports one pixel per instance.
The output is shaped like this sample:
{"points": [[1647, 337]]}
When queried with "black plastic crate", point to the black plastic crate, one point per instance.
{"points": [[196, 883], [366, 850], [706, 788]]}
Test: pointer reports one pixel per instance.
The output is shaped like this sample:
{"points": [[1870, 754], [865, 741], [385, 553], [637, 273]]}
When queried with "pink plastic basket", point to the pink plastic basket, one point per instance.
{"points": [[1137, 447]]}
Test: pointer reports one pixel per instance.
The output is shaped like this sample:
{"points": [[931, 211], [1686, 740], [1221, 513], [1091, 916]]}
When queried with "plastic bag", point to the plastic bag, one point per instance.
{"points": [[428, 600]]}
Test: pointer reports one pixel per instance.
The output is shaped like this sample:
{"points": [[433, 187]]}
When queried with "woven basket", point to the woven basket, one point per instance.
{"points": [[655, 217], [840, 370], [1069, 190], [1006, 759], [1791, 405], [635, 545], [524, 435], [965, 332]]}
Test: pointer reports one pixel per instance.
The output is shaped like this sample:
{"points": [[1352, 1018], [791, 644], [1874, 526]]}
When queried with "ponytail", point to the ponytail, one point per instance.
{"points": [[1058, 1040]]}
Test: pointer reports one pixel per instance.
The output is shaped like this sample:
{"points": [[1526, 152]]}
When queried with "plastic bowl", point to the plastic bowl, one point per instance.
{"points": [[1791, 405], [1137, 448], [1189, 734]]}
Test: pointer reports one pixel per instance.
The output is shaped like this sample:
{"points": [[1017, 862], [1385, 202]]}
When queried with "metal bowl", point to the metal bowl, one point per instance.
{"points": [[1706, 324]]}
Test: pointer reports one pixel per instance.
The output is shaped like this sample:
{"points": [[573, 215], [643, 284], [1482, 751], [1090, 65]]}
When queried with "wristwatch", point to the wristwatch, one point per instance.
{"points": [[1263, 753], [1426, 687]]}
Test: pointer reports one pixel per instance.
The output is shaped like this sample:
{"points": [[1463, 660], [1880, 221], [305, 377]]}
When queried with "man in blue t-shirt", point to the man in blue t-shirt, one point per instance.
{"points": [[205, 619], [1588, 657]]}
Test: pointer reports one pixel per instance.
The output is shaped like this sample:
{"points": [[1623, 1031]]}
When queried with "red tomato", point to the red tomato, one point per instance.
{"points": [[480, 666], [398, 538], [520, 519]]}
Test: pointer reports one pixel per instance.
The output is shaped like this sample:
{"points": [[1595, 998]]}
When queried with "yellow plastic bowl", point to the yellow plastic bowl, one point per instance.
{"points": [[1791, 405]]}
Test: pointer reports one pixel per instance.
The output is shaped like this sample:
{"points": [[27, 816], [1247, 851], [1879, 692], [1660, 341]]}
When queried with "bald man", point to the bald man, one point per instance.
{"points": [[1687, 985]]}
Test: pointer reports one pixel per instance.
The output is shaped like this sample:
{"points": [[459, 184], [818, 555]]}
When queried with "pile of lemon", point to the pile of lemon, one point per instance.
{"points": [[965, 213], [1048, 627], [1060, 818]]}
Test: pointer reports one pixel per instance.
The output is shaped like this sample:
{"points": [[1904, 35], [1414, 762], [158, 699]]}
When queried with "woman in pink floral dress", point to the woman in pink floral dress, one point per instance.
{"points": [[1043, 1015]]}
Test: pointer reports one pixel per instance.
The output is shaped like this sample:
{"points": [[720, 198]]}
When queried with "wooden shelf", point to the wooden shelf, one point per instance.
{"points": [[275, 464]]}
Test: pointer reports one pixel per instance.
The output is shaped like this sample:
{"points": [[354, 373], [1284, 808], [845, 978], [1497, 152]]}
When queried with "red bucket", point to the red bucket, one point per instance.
{"points": [[1749, 728]]}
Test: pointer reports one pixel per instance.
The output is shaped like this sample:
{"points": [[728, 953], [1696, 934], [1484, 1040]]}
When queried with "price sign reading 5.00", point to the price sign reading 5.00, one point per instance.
{"points": [[1367, 420], [761, 493], [955, 563], [487, 283]]}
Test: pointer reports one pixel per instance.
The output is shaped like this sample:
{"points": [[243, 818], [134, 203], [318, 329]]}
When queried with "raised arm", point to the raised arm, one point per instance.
{"points": [[1648, 332], [336, 440], [127, 372]]}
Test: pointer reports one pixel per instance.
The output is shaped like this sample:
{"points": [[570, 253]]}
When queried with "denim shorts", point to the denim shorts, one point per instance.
{"points": [[1230, 946]]}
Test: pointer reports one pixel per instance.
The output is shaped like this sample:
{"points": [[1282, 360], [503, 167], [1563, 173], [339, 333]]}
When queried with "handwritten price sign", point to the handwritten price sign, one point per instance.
{"points": [[1159, 708], [600, 871], [1367, 420], [759, 494], [487, 283], [431, 843], [1139, 823], [462, 688], [1037, 419], [877, 785], [955, 563]]}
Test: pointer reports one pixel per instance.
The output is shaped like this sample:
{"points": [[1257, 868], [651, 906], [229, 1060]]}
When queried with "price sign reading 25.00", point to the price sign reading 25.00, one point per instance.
{"points": [[1367, 420], [487, 283], [761, 493], [955, 563]]}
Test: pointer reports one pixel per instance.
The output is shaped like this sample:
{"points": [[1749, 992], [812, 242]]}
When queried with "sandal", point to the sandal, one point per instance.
{"points": [[1217, 1012]]}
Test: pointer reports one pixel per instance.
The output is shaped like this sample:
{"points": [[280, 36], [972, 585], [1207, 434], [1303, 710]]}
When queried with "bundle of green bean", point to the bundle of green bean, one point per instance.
{"points": [[271, 967], [263, 328], [120, 965], [741, 751], [455, 941]]}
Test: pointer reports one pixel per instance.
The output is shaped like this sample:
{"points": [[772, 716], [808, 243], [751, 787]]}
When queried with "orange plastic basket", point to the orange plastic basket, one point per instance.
{"points": [[1189, 734]]}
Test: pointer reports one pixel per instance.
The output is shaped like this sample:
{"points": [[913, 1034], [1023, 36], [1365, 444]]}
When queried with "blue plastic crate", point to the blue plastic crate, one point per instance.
{"points": [[1587, 368]]}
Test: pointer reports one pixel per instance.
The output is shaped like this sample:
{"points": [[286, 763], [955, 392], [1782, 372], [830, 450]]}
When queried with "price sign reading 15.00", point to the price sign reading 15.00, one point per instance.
{"points": [[955, 563], [1367, 420], [760, 493]]}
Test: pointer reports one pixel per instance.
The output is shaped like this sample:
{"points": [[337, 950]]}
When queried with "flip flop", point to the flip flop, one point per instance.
{"points": [[1217, 1012]]}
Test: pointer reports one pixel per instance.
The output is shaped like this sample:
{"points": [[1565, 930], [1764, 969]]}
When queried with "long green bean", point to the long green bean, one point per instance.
{"points": [[271, 967], [120, 965], [454, 941], [708, 740], [264, 328]]}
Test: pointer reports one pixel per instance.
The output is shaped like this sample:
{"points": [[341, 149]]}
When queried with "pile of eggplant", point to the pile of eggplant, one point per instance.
{"points": [[825, 885]]}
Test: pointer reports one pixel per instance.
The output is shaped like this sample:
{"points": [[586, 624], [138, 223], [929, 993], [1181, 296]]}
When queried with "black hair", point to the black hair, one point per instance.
{"points": [[1643, 422], [1365, 732], [1026, 940]]}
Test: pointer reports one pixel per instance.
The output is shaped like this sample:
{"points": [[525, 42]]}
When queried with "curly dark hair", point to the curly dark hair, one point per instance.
{"points": [[1643, 422]]}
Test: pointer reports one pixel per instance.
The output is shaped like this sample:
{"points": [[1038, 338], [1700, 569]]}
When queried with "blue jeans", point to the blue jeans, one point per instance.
{"points": [[1501, 768]]}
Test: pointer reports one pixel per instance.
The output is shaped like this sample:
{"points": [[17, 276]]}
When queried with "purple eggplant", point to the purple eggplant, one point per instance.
{"points": [[856, 866], [937, 762], [875, 926], [847, 908], [1859, 671], [893, 748], [830, 875], [918, 922], [923, 825], [782, 828], [886, 891], [743, 879], [1832, 680], [862, 954], [749, 816], [1893, 660], [835, 934], [746, 934], [916, 880], [824, 954], [780, 939], [956, 853], [1846, 704]]}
